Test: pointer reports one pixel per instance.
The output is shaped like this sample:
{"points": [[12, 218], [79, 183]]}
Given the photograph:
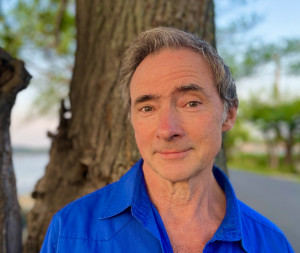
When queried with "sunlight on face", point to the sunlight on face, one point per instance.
{"points": [[176, 114]]}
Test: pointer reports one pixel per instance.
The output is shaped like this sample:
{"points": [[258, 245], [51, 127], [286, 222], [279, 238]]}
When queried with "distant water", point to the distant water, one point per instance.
{"points": [[29, 168]]}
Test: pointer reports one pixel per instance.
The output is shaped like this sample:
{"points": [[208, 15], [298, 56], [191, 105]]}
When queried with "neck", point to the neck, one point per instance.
{"points": [[186, 200], [191, 210]]}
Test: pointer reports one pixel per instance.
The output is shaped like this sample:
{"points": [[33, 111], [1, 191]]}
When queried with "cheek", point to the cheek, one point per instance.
{"points": [[142, 134], [208, 128]]}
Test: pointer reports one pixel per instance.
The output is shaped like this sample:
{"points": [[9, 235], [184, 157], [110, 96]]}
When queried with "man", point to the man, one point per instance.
{"points": [[181, 97]]}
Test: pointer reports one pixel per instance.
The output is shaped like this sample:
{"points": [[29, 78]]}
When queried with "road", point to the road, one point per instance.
{"points": [[275, 198]]}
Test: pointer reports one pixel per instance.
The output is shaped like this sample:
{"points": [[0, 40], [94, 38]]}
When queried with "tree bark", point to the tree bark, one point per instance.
{"points": [[289, 144], [272, 153], [94, 144], [13, 78]]}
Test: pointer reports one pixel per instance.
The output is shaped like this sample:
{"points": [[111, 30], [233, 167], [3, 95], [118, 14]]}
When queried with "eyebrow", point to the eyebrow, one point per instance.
{"points": [[145, 98], [179, 89], [188, 87]]}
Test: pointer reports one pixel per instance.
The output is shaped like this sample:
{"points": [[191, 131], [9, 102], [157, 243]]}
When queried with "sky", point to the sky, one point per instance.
{"points": [[281, 19]]}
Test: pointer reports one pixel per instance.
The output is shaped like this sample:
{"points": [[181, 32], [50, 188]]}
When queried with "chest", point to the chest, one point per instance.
{"points": [[190, 238]]}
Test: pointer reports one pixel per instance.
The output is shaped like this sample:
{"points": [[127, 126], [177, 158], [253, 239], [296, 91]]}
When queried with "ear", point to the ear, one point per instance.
{"points": [[230, 119]]}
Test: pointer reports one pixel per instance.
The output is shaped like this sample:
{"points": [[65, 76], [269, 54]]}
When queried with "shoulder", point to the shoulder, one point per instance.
{"points": [[253, 218], [89, 205], [261, 231], [73, 220], [96, 217], [107, 201]]}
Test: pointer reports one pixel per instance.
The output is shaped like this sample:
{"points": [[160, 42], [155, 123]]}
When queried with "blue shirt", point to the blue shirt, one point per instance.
{"points": [[121, 218]]}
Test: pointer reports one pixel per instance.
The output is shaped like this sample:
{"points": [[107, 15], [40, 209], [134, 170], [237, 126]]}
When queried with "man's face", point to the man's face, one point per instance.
{"points": [[176, 113]]}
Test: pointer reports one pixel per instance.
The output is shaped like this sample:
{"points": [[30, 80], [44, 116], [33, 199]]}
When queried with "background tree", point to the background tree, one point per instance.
{"points": [[43, 34], [94, 144], [234, 138], [279, 122], [276, 115], [260, 55], [13, 78]]}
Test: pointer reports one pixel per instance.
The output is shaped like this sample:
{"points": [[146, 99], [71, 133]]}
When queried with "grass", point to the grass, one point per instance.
{"points": [[258, 163]]}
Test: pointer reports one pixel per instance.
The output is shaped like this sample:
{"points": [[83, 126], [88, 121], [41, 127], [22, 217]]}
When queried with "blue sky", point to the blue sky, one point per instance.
{"points": [[278, 20], [281, 19]]}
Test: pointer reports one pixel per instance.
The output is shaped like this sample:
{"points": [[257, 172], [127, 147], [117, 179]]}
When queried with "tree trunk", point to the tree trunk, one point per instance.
{"points": [[94, 144], [13, 78], [272, 153], [289, 144]]}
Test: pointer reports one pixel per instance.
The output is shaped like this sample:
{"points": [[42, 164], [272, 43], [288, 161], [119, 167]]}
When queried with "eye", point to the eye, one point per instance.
{"points": [[193, 104], [146, 109]]}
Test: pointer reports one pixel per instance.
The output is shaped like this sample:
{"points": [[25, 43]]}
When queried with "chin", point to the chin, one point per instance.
{"points": [[177, 173]]}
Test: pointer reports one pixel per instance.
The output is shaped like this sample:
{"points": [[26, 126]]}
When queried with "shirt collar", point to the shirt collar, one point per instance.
{"points": [[231, 228], [127, 193], [130, 191]]}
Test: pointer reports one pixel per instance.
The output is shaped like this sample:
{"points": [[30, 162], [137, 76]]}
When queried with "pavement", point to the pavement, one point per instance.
{"points": [[276, 198]]}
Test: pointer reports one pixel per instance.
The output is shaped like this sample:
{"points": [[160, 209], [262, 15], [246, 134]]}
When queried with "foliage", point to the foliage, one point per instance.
{"points": [[281, 117], [244, 53], [53, 88], [261, 54], [42, 24], [279, 121], [259, 163], [239, 134], [42, 32], [232, 33], [249, 61]]}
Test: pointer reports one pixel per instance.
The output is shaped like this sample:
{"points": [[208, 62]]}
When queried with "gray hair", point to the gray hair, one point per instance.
{"points": [[153, 40]]}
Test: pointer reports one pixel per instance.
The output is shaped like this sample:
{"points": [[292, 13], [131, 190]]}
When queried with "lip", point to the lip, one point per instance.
{"points": [[173, 154]]}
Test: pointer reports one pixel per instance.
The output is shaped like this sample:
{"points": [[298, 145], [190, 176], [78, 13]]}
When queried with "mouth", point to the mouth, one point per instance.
{"points": [[173, 154]]}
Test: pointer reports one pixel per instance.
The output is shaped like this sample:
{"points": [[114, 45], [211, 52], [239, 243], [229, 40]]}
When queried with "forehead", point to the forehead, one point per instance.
{"points": [[171, 67]]}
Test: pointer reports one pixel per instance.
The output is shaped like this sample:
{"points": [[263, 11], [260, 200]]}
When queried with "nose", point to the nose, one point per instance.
{"points": [[169, 126]]}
